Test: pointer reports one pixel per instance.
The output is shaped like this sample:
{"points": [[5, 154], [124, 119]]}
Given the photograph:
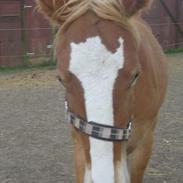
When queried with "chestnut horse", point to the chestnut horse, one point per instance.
{"points": [[115, 76]]}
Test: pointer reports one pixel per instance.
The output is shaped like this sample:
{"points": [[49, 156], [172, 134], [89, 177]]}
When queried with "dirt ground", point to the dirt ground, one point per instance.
{"points": [[35, 142]]}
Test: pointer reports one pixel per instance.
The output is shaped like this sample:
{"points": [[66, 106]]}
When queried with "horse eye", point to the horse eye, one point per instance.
{"points": [[134, 79], [136, 76]]}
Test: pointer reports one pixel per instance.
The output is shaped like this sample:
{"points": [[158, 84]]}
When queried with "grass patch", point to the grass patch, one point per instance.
{"points": [[171, 51], [52, 63], [49, 64]]}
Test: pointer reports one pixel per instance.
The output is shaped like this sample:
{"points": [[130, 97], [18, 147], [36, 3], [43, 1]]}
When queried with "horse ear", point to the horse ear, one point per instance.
{"points": [[49, 7], [133, 7]]}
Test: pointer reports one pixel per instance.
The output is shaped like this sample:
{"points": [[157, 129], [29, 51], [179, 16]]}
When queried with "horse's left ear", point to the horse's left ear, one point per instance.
{"points": [[133, 7]]}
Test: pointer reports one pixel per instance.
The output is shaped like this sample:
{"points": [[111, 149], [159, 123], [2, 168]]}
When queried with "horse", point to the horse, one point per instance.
{"points": [[115, 75]]}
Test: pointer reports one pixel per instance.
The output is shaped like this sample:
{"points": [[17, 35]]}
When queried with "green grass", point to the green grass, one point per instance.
{"points": [[52, 63], [49, 64], [171, 51]]}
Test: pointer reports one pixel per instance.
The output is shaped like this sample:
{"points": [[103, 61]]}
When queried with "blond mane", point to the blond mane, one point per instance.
{"points": [[65, 12], [105, 9], [73, 9]]}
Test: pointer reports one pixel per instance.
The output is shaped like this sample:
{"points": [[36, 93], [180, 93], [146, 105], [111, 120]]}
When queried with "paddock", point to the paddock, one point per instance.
{"points": [[35, 140]]}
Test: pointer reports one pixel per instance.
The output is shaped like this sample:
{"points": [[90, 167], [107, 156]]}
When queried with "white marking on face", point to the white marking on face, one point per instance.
{"points": [[88, 177], [97, 69], [123, 167], [124, 170], [122, 174]]}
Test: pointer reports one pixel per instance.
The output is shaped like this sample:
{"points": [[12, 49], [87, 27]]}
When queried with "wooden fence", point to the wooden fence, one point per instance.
{"points": [[166, 20], [25, 37]]}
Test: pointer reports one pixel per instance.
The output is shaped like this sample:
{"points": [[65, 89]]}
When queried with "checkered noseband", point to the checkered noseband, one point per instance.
{"points": [[98, 131]]}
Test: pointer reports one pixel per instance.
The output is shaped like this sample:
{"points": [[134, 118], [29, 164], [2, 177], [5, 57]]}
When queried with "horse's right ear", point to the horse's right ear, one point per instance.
{"points": [[133, 7], [49, 7]]}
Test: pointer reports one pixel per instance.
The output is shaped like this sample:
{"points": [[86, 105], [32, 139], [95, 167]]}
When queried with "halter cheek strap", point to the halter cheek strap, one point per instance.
{"points": [[96, 130]]}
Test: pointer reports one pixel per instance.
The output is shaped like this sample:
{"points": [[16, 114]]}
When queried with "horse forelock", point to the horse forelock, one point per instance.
{"points": [[69, 11]]}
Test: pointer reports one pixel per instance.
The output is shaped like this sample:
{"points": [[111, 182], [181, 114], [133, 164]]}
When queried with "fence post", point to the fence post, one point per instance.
{"points": [[23, 32], [177, 16]]}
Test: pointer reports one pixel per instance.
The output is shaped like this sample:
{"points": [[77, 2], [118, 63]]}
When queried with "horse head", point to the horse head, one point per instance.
{"points": [[107, 61]]}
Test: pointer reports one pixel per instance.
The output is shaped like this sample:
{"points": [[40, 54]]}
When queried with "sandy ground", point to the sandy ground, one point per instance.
{"points": [[35, 142]]}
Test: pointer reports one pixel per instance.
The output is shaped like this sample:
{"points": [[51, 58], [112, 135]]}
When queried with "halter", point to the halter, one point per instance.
{"points": [[96, 130]]}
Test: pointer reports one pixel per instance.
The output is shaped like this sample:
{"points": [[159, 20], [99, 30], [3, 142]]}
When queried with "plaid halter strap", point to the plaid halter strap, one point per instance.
{"points": [[96, 130]]}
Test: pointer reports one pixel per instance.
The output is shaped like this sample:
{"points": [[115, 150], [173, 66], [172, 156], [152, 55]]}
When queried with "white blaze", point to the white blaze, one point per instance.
{"points": [[87, 177], [122, 168], [97, 69]]}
